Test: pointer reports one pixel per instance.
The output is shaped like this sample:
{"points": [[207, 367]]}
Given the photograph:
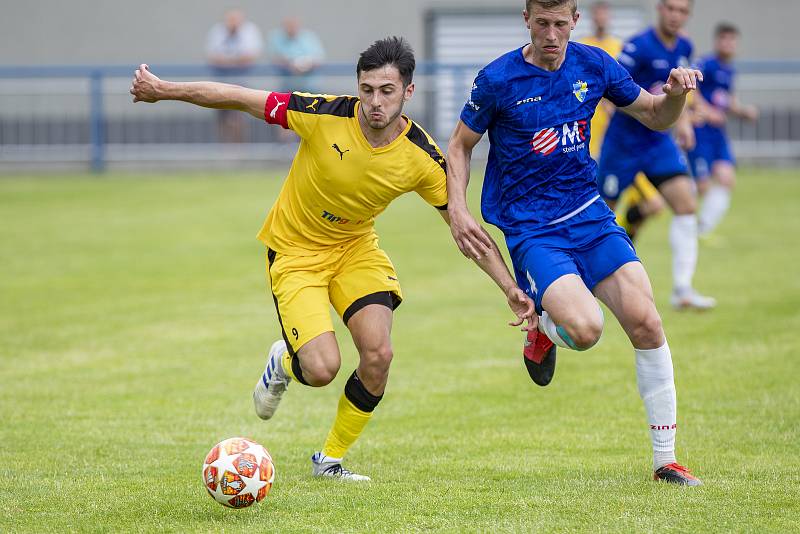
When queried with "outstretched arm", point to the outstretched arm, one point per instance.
{"points": [[660, 112], [492, 263], [147, 87], [473, 241]]}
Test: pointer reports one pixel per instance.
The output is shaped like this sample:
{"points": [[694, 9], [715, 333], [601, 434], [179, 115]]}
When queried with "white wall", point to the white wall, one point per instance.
{"points": [[38, 32]]}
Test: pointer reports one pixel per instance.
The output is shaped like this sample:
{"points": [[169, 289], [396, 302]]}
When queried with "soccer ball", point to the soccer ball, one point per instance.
{"points": [[238, 472]]}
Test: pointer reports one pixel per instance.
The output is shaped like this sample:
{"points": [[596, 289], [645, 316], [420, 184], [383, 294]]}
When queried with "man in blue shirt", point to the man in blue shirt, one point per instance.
{"points": [[630, 147], [712, 160], [537, 102]]}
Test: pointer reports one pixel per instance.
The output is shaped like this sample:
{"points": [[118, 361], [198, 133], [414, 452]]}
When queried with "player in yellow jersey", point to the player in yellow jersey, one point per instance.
{"points": [[356, 155], [601, 38], [641, 199]]}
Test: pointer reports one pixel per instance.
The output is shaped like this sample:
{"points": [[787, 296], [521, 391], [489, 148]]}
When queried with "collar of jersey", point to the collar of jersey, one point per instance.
{"points": [[521, 56], [363, 140], [662, 44]]}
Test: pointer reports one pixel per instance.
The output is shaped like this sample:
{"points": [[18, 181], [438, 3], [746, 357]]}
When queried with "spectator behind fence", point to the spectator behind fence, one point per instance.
{"points": [[232, 49], [297, 52]]}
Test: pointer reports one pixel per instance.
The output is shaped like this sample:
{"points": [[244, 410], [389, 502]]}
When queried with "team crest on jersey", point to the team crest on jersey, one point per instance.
{"points": [[579, 89]]}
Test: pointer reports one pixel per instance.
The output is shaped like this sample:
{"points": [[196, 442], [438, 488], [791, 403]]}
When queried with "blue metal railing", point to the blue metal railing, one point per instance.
{"points": [[97, 75]]}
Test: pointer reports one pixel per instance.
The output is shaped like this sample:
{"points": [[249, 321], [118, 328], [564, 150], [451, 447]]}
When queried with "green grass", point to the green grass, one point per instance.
{"points": [[134, 320]]}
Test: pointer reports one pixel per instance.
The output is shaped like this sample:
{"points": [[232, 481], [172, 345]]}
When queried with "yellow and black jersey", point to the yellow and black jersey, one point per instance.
{"points": [[338, 182]]}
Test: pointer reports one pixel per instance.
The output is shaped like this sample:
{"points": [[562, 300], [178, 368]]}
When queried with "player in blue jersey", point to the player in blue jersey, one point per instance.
{"points": [[712, 160], [536, 103], [630, 147]]}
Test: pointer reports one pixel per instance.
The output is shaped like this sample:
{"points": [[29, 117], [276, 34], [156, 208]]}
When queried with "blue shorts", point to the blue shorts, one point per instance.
{"points": [[590, 244], [712, 146], [620, 162]]}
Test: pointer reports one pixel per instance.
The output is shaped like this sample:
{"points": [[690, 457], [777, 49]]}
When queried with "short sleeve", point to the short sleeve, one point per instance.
{"points": [[621, 90], [303, 111], [481, 107], [432, 186], [630, 58]]}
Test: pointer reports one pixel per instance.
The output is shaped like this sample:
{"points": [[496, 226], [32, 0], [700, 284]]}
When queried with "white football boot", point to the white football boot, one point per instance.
{"points": [[325, 466], [272, 384], [692, 300]]}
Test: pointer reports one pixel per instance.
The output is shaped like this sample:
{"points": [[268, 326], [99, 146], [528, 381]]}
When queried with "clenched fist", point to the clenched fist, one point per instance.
{"points": [[145, 85]]}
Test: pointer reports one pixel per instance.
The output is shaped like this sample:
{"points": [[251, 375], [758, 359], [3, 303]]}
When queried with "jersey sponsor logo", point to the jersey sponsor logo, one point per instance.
{"points": [[545, 141], [313, 105], [330, 217], [277, 106], [660, 64], [529, 100], [340, 151], [579, 89], [572, 137]]}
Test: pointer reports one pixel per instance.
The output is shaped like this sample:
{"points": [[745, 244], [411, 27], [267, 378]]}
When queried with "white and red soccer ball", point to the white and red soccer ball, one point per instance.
{"points": [[238, 472]]}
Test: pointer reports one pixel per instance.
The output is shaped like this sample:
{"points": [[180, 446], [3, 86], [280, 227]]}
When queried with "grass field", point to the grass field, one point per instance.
{"points": [[134, 321]]}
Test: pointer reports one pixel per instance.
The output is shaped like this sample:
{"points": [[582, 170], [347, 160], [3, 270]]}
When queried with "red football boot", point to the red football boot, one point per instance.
{"points": [[675, 473], [539, 355]]}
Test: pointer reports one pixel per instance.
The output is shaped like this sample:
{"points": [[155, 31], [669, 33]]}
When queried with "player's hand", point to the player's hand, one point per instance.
{"points": [[714, 116], [750, 113], [144, 87], [682, 81], [470, 237], [523, 308], [684, 135]]}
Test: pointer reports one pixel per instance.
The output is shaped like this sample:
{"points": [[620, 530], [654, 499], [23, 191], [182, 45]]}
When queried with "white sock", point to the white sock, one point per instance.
{"points": [[683, 239], [657, 390], [550, 329], [715, 206], [557, 334]]}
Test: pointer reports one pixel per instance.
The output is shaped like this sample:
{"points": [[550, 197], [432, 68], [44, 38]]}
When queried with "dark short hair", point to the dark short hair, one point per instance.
{"points": [[550, 4], [725, 27], [394, 51]]}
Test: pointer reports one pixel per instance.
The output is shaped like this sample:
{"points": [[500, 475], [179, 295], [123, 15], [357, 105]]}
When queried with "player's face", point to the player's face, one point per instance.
{"points": [[673, 15], [382, 95], [725, 45], [601, 15], [550, 31]]}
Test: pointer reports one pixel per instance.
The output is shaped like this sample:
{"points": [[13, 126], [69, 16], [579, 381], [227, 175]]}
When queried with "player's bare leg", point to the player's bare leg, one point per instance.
{"points": [[717, 198], [315, 364], [571, 319], [680, 196], [629, 296], [371, 328]]}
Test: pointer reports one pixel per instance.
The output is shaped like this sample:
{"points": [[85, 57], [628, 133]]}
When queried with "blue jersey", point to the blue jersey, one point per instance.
{"points": [[539, 169], [649, 61], [717, 84]]}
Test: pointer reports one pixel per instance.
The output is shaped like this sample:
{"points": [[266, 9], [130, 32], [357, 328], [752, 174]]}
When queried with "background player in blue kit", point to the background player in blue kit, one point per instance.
{"points": [[712, 160], [631, 147], [536, 102]]}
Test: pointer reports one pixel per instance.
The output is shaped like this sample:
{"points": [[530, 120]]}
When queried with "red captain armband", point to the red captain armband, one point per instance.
{"points": [[275, 109]]}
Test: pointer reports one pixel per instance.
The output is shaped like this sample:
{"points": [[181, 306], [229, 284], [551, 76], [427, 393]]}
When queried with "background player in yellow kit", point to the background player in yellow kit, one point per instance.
{"points": [[641, 199], [356, 155]]}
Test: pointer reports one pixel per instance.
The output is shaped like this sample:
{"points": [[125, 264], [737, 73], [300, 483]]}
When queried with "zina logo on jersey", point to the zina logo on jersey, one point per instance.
{"points": [[572, 137]]}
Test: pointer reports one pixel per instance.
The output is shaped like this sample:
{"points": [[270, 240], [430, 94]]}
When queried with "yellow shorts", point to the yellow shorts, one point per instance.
{"points": [[645, 189], [345, 276]]}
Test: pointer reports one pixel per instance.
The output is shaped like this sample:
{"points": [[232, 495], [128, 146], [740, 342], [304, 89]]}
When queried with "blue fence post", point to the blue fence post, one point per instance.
{"points": [[97, 122]]}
